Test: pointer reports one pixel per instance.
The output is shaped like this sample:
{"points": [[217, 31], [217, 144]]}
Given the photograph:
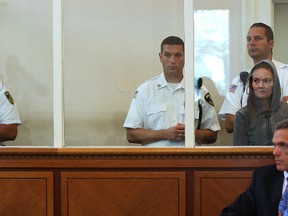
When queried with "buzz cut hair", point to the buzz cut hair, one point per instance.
{"points": [[268, 31], [172, 40], [281, 125]]}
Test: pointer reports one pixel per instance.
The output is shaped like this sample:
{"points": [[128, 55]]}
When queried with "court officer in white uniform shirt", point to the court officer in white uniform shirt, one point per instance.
{"points": [[9, 117], [157, 112]]}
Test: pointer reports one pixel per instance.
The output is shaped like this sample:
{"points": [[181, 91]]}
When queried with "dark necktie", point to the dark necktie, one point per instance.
{"points": [[283, 204]]}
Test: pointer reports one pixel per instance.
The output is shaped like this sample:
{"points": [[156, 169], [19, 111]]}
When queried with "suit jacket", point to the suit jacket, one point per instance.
{"points": [[262, 196]]}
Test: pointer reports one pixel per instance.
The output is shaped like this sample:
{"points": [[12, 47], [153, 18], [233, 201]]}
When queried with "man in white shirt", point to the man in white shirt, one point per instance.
{"points": [[9, 117], [260, 43], [157, 113]]}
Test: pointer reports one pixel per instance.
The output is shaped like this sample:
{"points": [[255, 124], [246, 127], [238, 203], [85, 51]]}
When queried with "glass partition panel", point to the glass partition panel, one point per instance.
{"points": [[218, 49], [26, 67], [110, 47]]}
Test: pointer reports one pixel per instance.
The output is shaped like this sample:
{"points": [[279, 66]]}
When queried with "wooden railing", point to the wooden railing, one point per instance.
{"points": [[125, 181]]}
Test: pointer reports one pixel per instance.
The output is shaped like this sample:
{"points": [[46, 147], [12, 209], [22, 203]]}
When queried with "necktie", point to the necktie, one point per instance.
{"points": [[283, 204]]}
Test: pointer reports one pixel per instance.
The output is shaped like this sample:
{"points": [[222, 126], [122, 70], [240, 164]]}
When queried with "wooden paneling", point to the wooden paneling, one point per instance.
{"points": [[214, 190], [125, 181], [123, 193], [26, 193]]}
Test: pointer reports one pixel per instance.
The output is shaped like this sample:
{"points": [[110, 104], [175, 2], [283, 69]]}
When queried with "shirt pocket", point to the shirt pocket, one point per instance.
{"points": [[156, 117], [156, 109]]}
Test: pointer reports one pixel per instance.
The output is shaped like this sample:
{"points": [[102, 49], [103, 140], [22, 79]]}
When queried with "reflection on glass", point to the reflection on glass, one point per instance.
{"points": [[110, 47], [212, 46], [217, 50], [26, 67]]}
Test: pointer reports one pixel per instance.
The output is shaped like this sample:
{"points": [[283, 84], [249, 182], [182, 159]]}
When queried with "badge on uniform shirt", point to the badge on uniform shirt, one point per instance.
{"points": [[209, 99], [9, 97], [232, 88]]}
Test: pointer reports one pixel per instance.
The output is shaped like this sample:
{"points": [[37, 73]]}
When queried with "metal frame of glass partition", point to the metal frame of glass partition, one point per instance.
{"points": [[58, 102]]}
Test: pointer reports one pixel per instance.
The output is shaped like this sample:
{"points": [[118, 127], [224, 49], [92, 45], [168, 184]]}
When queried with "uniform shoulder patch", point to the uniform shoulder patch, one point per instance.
{"points": [[232, 88], [9, 97], [208, 98]]}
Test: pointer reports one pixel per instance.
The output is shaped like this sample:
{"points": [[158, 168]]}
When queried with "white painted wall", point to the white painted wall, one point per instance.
{"points": [[281, 32]]}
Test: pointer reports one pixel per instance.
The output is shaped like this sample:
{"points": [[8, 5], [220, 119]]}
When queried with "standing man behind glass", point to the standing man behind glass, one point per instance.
{"points": [[157, 112], [260, 43]]}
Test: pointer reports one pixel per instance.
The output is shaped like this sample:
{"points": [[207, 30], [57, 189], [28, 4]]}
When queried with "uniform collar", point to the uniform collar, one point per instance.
{"points": [[279, 64], [162, 82]]}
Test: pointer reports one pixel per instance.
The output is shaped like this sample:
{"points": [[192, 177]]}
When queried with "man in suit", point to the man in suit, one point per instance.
{"points": [[267, 186]]}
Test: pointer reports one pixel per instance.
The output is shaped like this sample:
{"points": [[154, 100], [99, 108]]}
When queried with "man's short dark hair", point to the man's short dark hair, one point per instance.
{"points": [[268, 31], [172, 40], [281, 125]]}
